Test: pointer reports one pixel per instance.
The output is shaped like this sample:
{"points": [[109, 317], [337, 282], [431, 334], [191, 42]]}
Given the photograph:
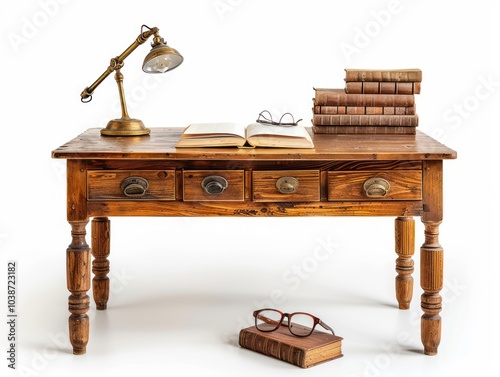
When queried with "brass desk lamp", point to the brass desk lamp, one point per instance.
{"points": [[160, 59]]}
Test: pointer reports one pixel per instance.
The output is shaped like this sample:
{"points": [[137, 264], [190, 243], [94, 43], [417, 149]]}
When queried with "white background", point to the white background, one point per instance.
{"points": [[182, 288]]}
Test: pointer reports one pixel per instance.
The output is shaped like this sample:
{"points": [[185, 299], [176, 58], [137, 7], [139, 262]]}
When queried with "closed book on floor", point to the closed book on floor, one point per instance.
{"points": [[306, 352]]}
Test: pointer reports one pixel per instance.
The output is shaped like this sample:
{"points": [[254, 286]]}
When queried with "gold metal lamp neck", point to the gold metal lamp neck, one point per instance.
{"points": [[161, 58]]}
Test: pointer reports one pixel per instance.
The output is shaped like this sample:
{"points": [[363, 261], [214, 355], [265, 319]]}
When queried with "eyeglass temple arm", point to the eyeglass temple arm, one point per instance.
{"points": [[293, 119], [326, 326]]}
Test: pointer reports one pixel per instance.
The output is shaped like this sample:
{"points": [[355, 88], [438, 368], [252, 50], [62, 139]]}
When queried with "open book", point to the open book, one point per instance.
{"points": [[253, 135]]}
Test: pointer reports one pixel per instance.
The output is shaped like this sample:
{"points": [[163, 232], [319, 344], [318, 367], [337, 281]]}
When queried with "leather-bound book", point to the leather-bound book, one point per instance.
{"points": [[306, 352]]}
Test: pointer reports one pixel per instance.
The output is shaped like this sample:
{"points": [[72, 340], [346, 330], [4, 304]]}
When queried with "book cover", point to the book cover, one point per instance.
{"points": [[237, 135], [365, 120], [364, 130], [338, 97], [369, 110], [404, 75], [304, 352], [382, 87]]}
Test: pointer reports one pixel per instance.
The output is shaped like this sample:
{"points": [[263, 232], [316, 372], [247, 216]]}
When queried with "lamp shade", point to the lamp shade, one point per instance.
{"points": [[161, 58]]}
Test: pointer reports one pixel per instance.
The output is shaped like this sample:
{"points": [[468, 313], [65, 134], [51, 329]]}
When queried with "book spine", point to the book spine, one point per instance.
{"points": [[383, 75], [273, 348], [364, 130], [337, 98], [382, 87], [369, 110], [365, 120]]}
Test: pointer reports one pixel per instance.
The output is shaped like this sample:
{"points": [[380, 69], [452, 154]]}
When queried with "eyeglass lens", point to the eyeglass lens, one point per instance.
{"points": [[299, 324]]}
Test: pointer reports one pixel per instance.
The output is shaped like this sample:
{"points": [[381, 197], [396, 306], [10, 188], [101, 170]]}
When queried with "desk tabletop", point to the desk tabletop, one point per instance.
{"points": [[160, 144]]}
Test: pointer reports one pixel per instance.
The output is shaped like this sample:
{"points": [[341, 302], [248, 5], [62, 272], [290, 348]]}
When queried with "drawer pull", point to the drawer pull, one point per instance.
{"points": [[134, 187], [287, 185], [376, 187], [214, 184]]}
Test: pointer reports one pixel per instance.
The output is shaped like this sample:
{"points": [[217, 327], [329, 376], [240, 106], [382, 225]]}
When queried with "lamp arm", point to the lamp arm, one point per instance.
{"points": [[117, 62]]}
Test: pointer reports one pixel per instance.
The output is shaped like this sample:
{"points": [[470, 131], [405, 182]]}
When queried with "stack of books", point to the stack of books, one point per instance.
{"points": [[372, 102]]}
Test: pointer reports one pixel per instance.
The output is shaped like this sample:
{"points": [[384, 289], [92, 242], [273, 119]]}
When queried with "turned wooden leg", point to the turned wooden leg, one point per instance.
{"points": [[78, 281], [100, 264], [405, 248], [431, 279]]}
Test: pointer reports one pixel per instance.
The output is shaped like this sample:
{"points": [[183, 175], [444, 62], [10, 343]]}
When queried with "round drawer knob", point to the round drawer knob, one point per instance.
{"points": [[376, 187], [134, 187], [214, 184], [287, 185]]}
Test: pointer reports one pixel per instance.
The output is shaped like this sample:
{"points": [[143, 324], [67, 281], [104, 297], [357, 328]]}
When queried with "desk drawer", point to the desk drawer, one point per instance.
{"points": [[286, 186], [213, 185], [378, 185], [131, 184]]}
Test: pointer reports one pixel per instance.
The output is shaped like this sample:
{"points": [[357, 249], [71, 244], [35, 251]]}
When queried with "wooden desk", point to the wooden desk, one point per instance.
{"points": [[345, 175]]}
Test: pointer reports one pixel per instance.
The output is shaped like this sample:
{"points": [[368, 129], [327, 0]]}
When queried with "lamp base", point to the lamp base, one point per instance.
{"points": [[125, 127]]}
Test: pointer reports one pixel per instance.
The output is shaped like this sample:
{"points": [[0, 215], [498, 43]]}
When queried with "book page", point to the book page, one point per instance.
{"points": [[207, 130], [262, 135], [263, 129]]}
